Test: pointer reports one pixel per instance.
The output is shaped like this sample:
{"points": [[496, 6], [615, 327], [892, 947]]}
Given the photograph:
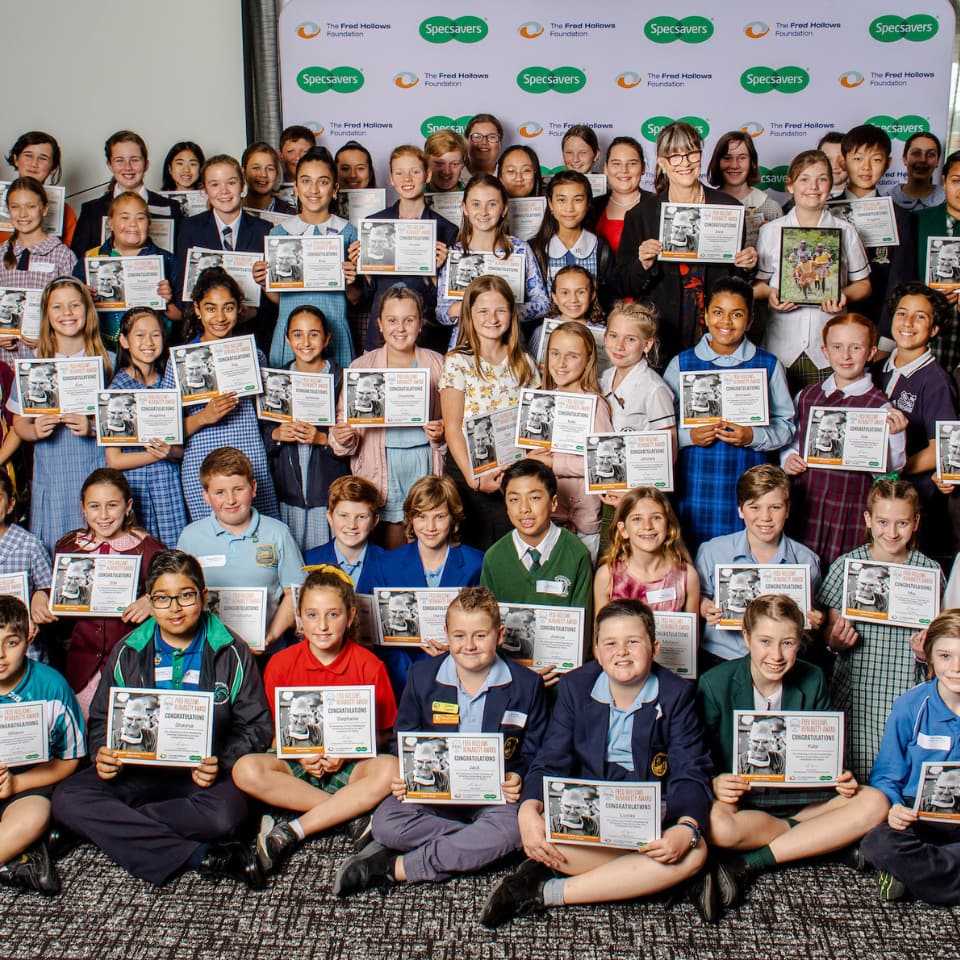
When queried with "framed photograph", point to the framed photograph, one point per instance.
{"points": [[325, 721], [452, 768], [20, 313], [601, 813], [847, 438], [463, 267], [401, 247], [894, 593], [873, 218], [24, 735], [406, 617], [490, 440], [943, 263], [135, 417], [948, 451], [938, 792], [736, 585], [59, 385], [783, 748], [93, 584], [677, 636], [701, 232], [543, 636], [737, 396], [809, 265], [551, 420], [387, 397], [304, 263], [289, 395], [205, 370], [622, 461]]}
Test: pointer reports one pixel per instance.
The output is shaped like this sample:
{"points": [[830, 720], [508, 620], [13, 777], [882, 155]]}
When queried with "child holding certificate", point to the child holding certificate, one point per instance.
{"points": [[37, 154], [714, 454], [394, 457], [480, 691], [917, 856], [572, 297], [587, 737], [26, 788], [769, 827], [876, 662], [155, 821]]}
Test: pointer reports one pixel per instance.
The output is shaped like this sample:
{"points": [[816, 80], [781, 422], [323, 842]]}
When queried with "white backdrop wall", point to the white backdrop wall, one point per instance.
{"points": [[81, 69], [787, 73]]}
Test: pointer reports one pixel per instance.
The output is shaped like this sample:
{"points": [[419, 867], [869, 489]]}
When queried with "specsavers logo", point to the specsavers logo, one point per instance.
{"points": [[530, 129], [442, 122], [651, 127], [773, 178], [339, 79], [851, 79], [463, 29], [543, 79], [406, 80], [890, 28], [900, 128], [308, 30], [688, 30], [752, 128], [628, 80], [756, 30], [530, 30], [768, 80]]}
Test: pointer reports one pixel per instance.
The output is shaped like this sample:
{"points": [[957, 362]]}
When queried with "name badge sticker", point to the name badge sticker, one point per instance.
{"points": [[514, 718], [213, 560], [933, 743], [438, 706], [556, 587], [661, 596], [41, 266]]}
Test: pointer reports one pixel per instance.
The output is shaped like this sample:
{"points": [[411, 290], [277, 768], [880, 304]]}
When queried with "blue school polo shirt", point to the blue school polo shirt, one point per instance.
{"points": [[471, 708], [620, 724], [175, 669]]}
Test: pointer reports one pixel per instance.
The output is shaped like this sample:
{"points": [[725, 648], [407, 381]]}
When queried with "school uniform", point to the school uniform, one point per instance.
{"points": [[90, 222], [366, 573]]}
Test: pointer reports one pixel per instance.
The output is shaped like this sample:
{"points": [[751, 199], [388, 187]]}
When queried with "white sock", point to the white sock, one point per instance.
{"points": [[297, 829], [553, 892]]}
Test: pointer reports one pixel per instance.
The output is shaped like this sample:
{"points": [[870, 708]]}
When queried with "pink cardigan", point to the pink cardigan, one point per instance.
{"points": [[368, 453], [575, 507]]}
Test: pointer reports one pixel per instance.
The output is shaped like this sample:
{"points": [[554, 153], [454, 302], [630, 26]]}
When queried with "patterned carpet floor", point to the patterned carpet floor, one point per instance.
{"points": [[812, 912]]}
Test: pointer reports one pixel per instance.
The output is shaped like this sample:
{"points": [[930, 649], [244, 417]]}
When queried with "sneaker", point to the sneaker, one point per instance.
{"points": [[360, 830], [516, 895], [853, 858], [373, 867], [33, 870], [733, 875], [236, 860], [274, 847], [890, 887], [702, 891]]}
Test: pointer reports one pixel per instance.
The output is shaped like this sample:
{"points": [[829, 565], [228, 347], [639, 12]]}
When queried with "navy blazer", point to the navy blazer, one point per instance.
{"points": [[667, 744], [403, 567], [517, 709], [89, 223], [372, 574]]}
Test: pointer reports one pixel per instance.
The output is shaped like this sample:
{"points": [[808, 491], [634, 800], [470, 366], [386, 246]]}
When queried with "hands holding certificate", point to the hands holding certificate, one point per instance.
{"points": [[109, 764]]}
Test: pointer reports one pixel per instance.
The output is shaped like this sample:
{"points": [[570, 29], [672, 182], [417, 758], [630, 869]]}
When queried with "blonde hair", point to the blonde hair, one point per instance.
{"points": [[429, 493], [885, 489], [647, 319], [773, 606], [945, 625], [806, 159], [673, 547], [588, 379], [92, 344]]}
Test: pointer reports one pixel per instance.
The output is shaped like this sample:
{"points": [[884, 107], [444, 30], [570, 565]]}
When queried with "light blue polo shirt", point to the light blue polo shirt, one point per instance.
{"points": [[353, 570], [471, 708], [620, 724]]}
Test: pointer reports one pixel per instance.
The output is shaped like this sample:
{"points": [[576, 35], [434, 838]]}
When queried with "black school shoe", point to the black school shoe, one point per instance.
{"points": [[733, 876], [60, 841], [703, 891], [360, 830], [273, 847], [516, 895], [33, 870], [235, 860], [373, 867]]}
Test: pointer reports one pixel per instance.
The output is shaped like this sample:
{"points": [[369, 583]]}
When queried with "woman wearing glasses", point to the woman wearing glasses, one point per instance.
{"points": [[676, 289], [484, 135]]}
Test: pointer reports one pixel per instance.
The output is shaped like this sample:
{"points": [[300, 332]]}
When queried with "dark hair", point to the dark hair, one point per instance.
{"points": [[923, 133], [834, 136], [297, 132], [866, 135], [735, 286], [628, 142], [483, 118], [33, 139], [14, 616], [533, 158], [628, 607], [125, 136], [501, 239], [208, 280], [260, 146], [596, 313], [179, 147], [115, 478], [124, 359], [540, 243], [952, 160], [715, 174], [942, 311], [32, 186], [312, 311], [353, 145], [175, 562], [530, 468], [584, 133], [318, 155], [6, 486], [333, 578]]}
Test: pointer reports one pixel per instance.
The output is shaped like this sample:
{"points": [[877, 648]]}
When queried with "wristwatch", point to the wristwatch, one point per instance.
{"points": [[693, 828]]}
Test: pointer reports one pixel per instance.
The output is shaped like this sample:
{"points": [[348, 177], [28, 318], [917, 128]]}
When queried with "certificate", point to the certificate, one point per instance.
{"points": [[943, 263], [238, 265], [289, 395], [325, 722], [385, 397], [524, 216], [135, 417], [938, 792], [788, 748], [543, 636], [873, 218], [597, 331], [409, 617], [59, 385], [549, 420], [601, 813], [401, 247], [947, 435], [463, 267], [304, 263], [598, 183], [52, 220], [677, 636], [191, 202], [16, 585], [160, 232], [892, 593], [93, 584], [622, 461], [701, 232], [170, 728], [809, 265], [736, 585], [206, 370], [20, 313], [357, 205], [847, 438], [737, 396], [24, 737], [271, 216], [122, 282], [447, 205], [243, 610], [490, 440], [452, 768]]}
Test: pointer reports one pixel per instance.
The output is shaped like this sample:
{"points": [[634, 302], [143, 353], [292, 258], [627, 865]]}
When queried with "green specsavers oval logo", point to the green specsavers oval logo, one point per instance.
{"points": [[900, 128], [339, 79], [773, 178], [442, 122], [890, 28], [688, 30], [768, 80], [543, 79], [651, 127], [463, 29]]}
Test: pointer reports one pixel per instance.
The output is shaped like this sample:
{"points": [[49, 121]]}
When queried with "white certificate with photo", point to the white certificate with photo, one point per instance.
{"points": [[602, 813], [20, 313], [943, 263], [304, 397], [387, 397], [788, 748], [16, 585], [304, 263], [543, 636], [93, 584], [737, 396], [398, 247], [122, 282], [169, 728], [238, 264], [135, 417], [490, 440], [550, 420], [736, 585], [325, 722], [873, 218], [947, 434], [59, 385], [271, 216], [677, 636], [622, 461], [447, 205], [357, 205], [406, 617], [452, 767], [938, 792], [206, 370], [597, 330], [524, 216], [160, 232], [52, 220], [892, 593], [598, 183], [701, 232], [24, 734], [464, 267], [243, 610], [191, 202], [847, 438]]}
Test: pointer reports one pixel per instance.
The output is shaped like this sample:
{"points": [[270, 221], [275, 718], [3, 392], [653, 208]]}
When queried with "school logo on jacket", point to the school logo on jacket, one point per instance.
{"points": [[221, 692], [907, 401], [266, 555], [659, 765], [510, 747]]}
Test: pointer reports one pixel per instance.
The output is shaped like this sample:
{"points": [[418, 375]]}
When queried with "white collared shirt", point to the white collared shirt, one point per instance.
{"points": [[545, 546]]}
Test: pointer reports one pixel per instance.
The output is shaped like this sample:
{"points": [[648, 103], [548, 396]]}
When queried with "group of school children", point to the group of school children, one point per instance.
{"points": [[341, 509]]}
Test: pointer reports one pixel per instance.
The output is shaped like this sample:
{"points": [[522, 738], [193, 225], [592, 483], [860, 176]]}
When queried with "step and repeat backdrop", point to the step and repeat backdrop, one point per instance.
{"points": [[395, 72]]}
